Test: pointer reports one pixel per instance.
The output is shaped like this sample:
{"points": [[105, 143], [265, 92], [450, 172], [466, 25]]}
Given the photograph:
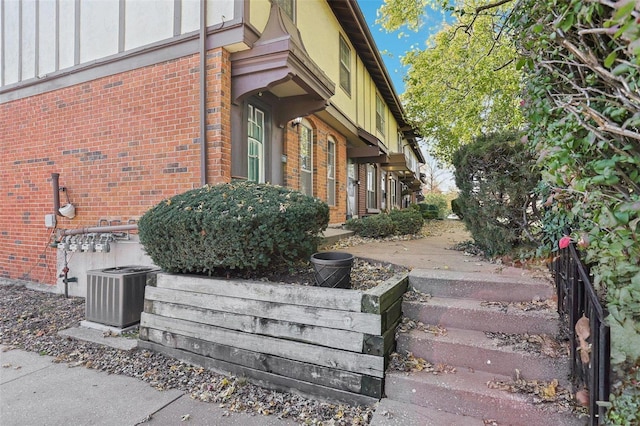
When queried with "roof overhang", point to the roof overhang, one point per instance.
{"points": [[367, 154], [279, 63], [373, 152], [397, 163]]}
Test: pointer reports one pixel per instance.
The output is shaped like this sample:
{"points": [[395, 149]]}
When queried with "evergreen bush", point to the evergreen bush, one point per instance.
{"points": [[497, 177], [397, 222], [455, 208], [429, 211], [243, 226], [406, 222], [376, 226], [441, 201]]}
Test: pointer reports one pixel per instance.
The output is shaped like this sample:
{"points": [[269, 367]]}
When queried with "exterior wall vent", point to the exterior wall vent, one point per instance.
{"points": [[115, 296]]}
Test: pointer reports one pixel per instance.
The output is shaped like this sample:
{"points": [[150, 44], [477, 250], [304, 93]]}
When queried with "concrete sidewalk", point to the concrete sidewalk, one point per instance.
{"points": [[36, 391]]}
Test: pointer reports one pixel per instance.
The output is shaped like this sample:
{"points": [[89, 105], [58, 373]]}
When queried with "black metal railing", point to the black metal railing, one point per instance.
{"points": [[577, 299]]}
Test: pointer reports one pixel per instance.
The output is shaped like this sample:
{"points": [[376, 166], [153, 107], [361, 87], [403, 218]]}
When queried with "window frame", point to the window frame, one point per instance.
{"points": [[284, 5], [393, 183], [345, 68], [372, 187], [252, 113], [306, 128], [380, 114], [331, 172]]}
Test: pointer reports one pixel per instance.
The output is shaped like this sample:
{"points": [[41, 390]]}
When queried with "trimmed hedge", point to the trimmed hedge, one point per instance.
{"points": [[406, 222], [455, 208], [397, 222], [428, 211], [244, 226]]}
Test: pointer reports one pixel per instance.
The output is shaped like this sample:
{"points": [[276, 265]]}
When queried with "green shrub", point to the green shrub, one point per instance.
{"points": [[497, 178], [376, 226], [243, 226], [406, 222], [398, 222], [440, 201], [429, 211], [455, 208]]}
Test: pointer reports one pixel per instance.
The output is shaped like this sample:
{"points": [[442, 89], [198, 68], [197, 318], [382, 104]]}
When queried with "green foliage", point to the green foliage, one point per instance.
{"points": [[376, 226], [625, 402], [464, 84], [440, 201], [397, 222], [455, 208], [406, 222], [583, 105], [581, 64], [496, 181], [428, 211], [244, 226]]}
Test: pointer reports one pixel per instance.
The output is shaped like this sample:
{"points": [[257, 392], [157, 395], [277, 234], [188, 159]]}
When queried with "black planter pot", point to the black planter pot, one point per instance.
{"points": [[332, 269]]}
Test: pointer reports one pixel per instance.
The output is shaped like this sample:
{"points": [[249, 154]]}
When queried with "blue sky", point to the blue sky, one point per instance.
{"points": [[394, 45]]}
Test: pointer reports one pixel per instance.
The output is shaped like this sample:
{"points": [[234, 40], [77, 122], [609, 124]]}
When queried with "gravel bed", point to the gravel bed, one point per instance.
{"points": [[30, 320]]}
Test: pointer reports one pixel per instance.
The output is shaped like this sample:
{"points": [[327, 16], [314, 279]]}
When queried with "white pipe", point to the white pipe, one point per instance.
{"points": [[99, 229]]}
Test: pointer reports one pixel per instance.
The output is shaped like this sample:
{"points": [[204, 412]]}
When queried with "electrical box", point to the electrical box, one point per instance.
{"points": [[50, 220]]}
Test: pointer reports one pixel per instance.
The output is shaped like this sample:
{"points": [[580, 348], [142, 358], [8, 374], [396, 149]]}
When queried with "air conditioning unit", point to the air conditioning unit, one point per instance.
{"points": [[115, 296]]}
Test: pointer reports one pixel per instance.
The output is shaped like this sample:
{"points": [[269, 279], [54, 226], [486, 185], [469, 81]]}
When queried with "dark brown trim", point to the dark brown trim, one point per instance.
{"points": [[277, 58], [397, 163]]}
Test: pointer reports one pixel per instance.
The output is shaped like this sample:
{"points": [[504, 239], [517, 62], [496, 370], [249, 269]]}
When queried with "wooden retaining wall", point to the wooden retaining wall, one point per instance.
{"points": [[324, 342]]}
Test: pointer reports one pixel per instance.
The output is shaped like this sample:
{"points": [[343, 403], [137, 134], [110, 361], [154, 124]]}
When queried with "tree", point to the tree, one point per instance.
{"points": [[435, 176], [465, 83], [581, 63]]}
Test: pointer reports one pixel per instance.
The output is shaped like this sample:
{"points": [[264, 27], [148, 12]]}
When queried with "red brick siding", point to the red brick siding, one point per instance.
{"points": [[120, 143], [321, 132]]}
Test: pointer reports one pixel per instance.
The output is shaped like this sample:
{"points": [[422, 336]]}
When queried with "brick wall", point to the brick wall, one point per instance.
{"points": [[120, 144], [321, 132]]}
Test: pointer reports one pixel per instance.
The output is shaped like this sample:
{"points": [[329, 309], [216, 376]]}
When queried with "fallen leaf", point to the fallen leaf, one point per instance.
{"points": [[549, 391], [582, 397]]}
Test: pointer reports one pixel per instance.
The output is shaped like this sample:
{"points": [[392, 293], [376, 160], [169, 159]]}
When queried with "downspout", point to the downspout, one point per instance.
{"points": [[55, 183], [203, 92]]}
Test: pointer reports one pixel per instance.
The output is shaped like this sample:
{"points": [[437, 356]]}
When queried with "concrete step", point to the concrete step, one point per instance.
{"points": [[396, 413], [471, 349], [472, 315], [480, 286], [332, 235], [466, 393]]}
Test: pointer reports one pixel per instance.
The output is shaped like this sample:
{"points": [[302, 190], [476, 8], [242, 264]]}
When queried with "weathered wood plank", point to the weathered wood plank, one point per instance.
{"points": [[380, 345], [261, 378], [325, 376], [391, 315], [328, 357], [332, 298], [342, 320], [381, 297], [333, 338]]}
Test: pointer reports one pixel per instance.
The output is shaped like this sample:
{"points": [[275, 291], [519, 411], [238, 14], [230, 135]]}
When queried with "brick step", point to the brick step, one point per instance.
{"points": [[471, 349], [472, 315], [466, 393], [395, 413], [479, 286]]}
